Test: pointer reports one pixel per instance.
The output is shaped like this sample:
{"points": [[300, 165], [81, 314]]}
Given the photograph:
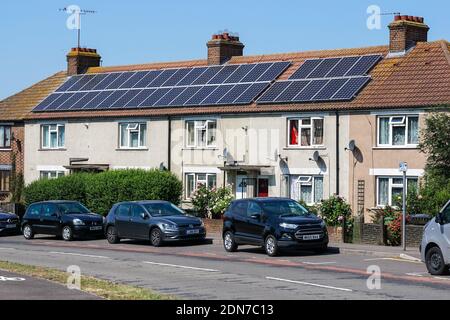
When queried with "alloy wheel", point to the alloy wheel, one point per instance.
{"points": [[27, 232], [67, 233], [228, 241]]}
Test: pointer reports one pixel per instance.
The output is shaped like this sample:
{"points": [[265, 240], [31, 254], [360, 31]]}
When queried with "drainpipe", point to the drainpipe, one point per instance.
{"points": [[169, 144], [337, 153]]}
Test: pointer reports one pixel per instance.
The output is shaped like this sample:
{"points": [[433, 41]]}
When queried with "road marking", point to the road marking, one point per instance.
{"points": [[320, 263], [310, 284], [7, 249], [179, 266], [394, 259], [416, 274], [79, 254], [442, 278]]}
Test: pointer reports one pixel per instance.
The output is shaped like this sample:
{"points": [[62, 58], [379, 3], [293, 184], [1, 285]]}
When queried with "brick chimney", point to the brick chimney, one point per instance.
{"points": [[222, 47], [79, 60], [405, 32]]}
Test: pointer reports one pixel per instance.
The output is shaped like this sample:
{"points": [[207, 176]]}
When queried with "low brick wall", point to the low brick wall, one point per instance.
{"points": [[372, 234], [414, 235], [335, 234], [213, 226]]}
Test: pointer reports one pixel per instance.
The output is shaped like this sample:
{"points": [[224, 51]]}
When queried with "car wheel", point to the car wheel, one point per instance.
{"points": [[229, 243], [271, 246], [156, 237], [435, 262], [28, 232], [111, 235], [67, 233]]}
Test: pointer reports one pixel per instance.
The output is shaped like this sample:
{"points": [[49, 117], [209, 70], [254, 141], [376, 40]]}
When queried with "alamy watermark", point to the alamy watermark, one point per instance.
{"points": [[374, 280], [74, 278]]}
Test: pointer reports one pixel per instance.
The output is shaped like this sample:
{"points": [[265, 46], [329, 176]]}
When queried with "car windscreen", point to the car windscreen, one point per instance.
{"points": [[284, 209], [72, 208], [163, 209]]}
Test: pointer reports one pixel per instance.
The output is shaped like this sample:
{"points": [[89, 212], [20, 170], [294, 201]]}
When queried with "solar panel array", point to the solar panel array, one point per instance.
{"points": [[200, 86], [330, 79]]}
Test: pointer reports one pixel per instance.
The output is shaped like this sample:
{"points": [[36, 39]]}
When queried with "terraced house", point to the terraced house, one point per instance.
{"points": [[304, 125]]}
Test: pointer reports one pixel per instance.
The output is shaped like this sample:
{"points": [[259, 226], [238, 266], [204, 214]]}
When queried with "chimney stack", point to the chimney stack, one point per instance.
{"points": [[79, 60], [222, 47], [405, 32]]}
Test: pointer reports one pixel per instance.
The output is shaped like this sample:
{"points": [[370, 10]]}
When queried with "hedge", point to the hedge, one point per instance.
{"points": [[99, 192]]}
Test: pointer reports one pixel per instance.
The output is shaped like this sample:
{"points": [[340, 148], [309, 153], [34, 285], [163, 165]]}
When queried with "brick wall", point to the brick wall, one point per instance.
{"points": [[372, 234], [414, 235]]}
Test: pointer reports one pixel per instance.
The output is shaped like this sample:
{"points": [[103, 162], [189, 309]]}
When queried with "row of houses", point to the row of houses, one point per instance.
{"points": [[305, 150]]}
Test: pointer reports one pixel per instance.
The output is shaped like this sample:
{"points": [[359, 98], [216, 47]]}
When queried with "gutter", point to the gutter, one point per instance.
{"points": [[169, 144], [337, 153]]}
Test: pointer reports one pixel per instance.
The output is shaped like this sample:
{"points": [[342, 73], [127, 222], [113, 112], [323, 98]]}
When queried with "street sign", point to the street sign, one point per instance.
{"points": [[403, 166]]}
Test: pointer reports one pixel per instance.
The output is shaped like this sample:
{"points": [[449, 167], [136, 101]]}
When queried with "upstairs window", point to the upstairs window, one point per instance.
{"points": [[5, 136], [133, 135], [201, 134], [398, 131], [53, 136], [305, 132]]}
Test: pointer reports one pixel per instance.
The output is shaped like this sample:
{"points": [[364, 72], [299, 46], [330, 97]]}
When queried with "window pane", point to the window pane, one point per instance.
{"points": [[7, 141], [293, 132], [398, 138], [318, 189], [306, 137], [53, 139], [143, 135], [306, 122], [61, 136], [2, 136], [212, 181], [383, 191], [412, 184], [397, 195], [295, 188], [123, 135], [201, 178], [134, 139], [397, 181], [212, 126], [60, 174], [191, 133], [190, 185], [383, 131], [306, 193], [318, 131], [201, 137], [413, 130], [45, 137]]}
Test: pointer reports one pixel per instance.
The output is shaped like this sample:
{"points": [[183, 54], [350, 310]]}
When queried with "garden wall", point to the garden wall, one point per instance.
{"points": [[375, 234]]}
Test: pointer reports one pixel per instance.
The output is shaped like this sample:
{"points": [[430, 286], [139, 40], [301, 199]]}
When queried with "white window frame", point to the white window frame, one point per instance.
{"points": [[197, 181], [392, 124], [50, 131], [6, 127], [129, 130], [304, 180], [49, 173], [301, 126], [200, 124], [391, 185]]}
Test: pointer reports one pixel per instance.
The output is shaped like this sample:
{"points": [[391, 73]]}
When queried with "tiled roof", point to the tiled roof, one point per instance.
{"points": [[16, 107], [419, 79]]}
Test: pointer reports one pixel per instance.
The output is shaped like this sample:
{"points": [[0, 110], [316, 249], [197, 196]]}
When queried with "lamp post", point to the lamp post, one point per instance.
{"points": [[404, 169]]}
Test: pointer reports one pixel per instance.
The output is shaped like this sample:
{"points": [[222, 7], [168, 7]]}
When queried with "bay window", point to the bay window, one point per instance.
{"points": [[305, 132], [398, 130], [307, 188], [5, 136], [195, 180], [133, 135], [390, 189], [53, 136], [201, 134]]}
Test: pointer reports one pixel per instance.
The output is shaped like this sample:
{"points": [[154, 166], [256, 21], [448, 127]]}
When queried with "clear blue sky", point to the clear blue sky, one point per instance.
{"points": [[35, 38]]}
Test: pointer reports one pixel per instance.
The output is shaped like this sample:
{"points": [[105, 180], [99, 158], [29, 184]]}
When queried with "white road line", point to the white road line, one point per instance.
{"points": [[79, 254], [310, 284], [319, 263], [179, 266], [415, 274], [7, 249], [394, 259]]}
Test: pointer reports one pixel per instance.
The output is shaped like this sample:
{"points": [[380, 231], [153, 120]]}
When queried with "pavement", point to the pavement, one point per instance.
{"points": [[206, 271], [18, 287]]}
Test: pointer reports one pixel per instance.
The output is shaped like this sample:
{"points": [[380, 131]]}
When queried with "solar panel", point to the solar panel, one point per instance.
{"points": [[274, 91], [122, 102], [95, 81], [147, 79], [292, 91], [342, 67], [305, 69], [351, 88], [47, 101], [207, 75], [256, 72], [107, 81], [176, 77], [330, 89], [364, 65], [66, 85], [234, 93], [81, 83], [98, 99], [215, 96], [109, 101], [274, 71], [223, 74], [57, 102], [201, 95], [170, 96], [80, 104], [310, 90], [240, 73], [185, 96], [192, 76], [134, 79], [251, 93], [66, 105], [151, 100], [117, 83], [139, 98], [323, 68], [163, 77]]}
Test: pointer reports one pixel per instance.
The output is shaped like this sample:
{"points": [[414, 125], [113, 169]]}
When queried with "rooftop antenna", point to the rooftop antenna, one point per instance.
{"points": [[78, 12], [390, 14]]}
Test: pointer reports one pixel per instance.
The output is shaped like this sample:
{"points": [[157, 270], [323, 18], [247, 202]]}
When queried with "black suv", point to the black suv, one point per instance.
{"points": [[9, 223], [157, 221], [273, 223], [67, 219]]}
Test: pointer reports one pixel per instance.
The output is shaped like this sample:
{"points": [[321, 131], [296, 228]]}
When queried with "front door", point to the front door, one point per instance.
{"points": [[255, 226], [241, 187], [263, 188], [123, 220], [50, 221], [139, 226]]}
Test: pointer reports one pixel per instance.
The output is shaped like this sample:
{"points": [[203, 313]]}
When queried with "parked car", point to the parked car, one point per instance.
{"points": [[9, 224], [435, 246], [157, 221], [68, 219], [273, 223]]}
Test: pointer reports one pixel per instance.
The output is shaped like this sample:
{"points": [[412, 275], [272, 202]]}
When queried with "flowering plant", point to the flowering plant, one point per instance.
{"points": [[212, 203]]}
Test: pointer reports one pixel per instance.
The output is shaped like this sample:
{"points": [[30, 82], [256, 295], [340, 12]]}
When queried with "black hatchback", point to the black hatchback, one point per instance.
{"points": [[157, 221], [67, 219], [9, 224], [273, 223]]}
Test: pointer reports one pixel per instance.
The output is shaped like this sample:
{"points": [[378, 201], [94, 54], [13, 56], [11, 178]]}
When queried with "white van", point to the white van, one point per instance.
{"points": [[435, 247]]}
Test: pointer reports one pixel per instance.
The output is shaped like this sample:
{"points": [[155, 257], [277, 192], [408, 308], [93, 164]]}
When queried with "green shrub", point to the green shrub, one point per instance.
{"points": [[334, 210], [211, 203], [314, 209], [100, 191]]}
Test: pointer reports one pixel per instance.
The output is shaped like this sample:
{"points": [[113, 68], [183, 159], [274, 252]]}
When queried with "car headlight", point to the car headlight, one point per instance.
{"points": [[323, 224], [104, 220], [78, 222], [169, 227], [202, 223], [288, 225]]}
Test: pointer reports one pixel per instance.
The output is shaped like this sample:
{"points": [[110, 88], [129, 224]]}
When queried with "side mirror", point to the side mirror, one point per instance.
{"points": [[144, 216], [256, 216]]}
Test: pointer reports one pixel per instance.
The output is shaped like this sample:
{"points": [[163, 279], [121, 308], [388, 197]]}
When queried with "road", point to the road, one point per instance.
{"points": [[206, 271]]}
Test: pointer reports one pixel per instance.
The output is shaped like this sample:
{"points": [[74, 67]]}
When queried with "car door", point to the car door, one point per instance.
{"points": [[33, 217], [239, 219], [50, 220], [445, 228], [255, 226], [138, 225], [123, 220]]}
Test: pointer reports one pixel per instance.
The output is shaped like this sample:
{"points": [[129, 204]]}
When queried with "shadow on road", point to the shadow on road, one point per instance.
{"points": [[293, 252]]}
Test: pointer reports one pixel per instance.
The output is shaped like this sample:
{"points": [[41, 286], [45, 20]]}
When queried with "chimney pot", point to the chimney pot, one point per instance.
{"points": [[223, 47], [405, 32], [79, 60]]}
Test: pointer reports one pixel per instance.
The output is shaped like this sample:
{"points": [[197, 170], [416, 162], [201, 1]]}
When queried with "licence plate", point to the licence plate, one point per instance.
{"points": [[96, 228], [311, 237], [11, 226], [194, 231]]}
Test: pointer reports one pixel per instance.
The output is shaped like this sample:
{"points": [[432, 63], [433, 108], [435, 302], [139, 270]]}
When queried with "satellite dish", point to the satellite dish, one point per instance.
{"points": [[351, 145], [316, 156], [225, 153]]}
